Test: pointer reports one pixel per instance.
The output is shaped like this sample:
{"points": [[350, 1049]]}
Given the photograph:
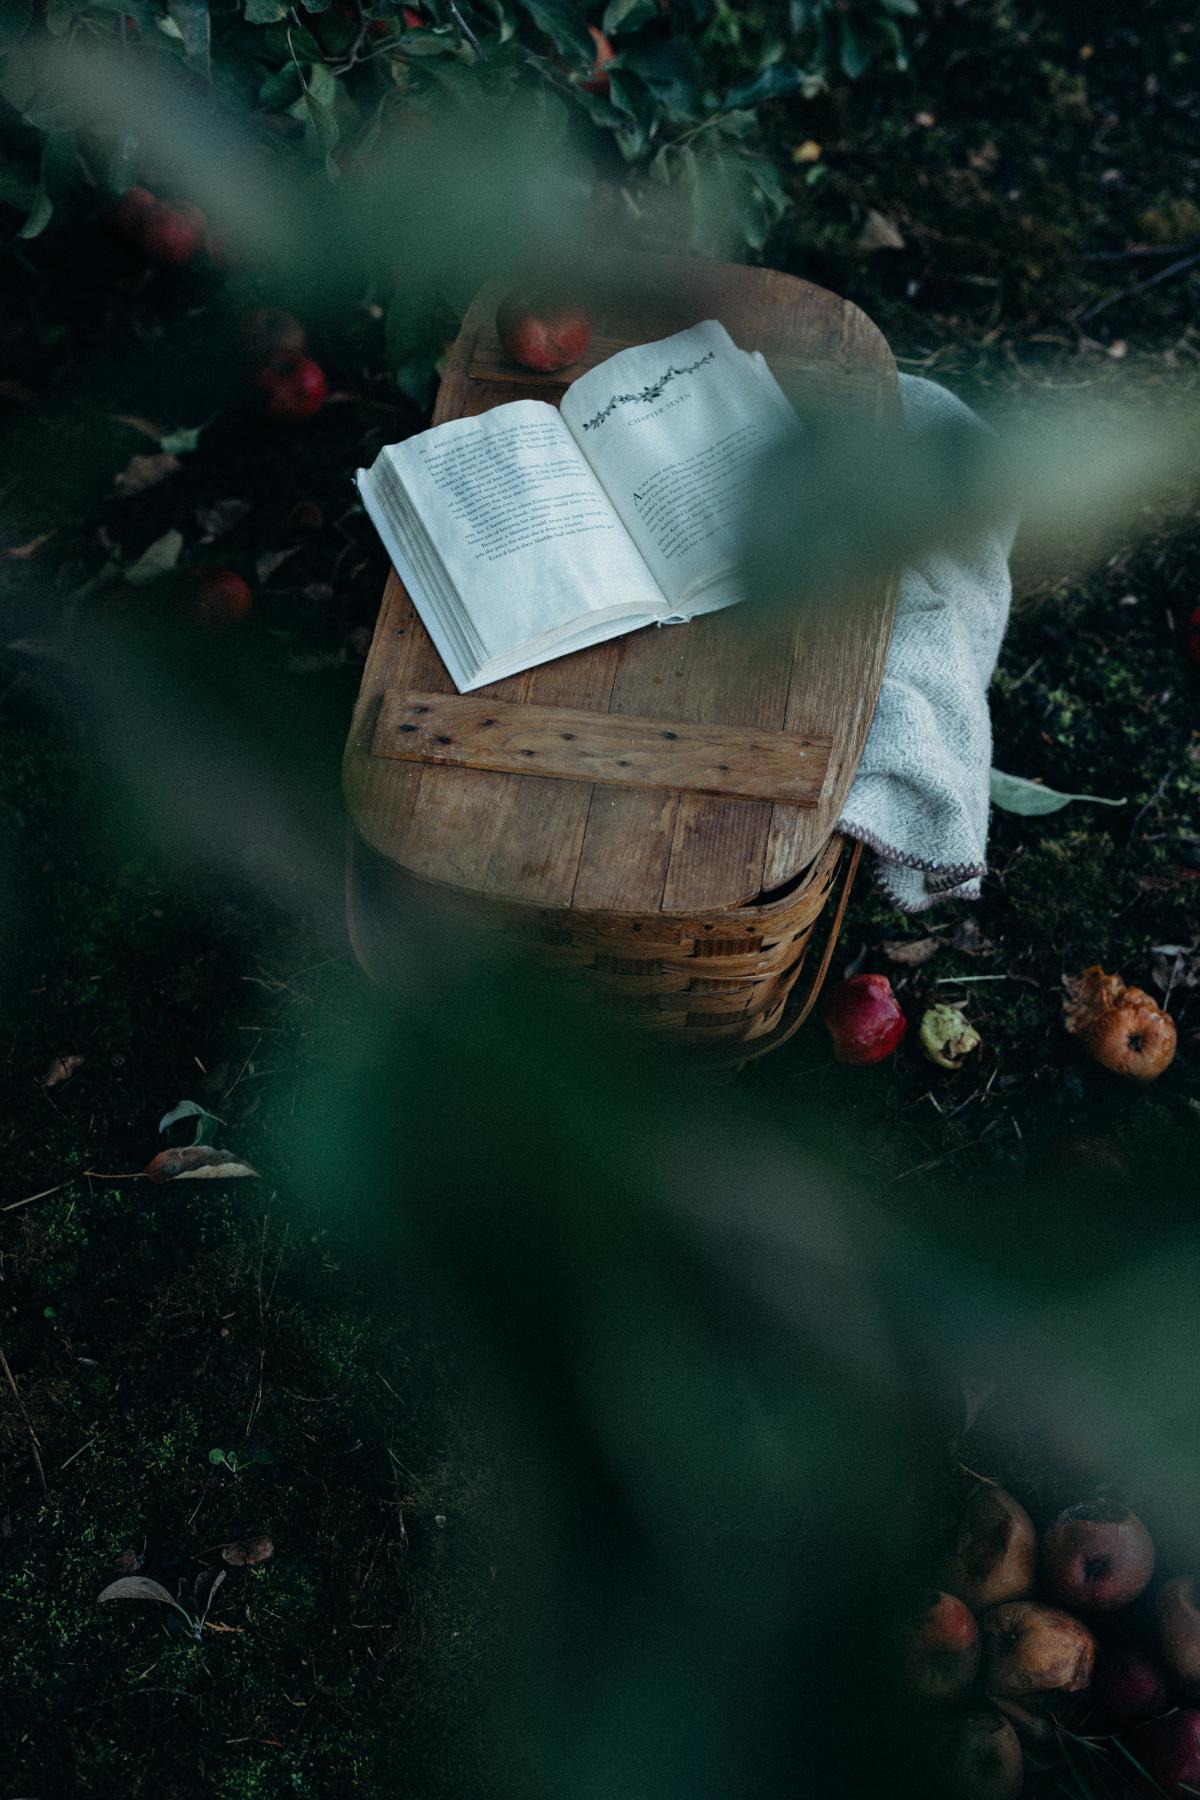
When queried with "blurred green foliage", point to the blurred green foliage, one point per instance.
{"points": [[680, 97]]}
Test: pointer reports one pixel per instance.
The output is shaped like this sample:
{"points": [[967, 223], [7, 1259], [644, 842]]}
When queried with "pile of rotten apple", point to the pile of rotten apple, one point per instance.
{"points": [[1026, 1639]]}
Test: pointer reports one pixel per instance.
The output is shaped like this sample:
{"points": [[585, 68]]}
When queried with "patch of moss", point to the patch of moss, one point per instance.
{"points": [[1064, 888]]}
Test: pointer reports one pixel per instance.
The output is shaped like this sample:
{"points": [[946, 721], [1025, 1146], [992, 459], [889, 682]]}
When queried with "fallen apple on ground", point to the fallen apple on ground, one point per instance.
{"points": [[986, 1761], [1177, 1618], [1169, 1751], [1033, 1649], [292, 388], [1121, 1027], [212, 596], [994, 1553], [939, 1648], [864, 1019], [268, 332], [1128, 1687], [541, 330], [1097, 1557]]}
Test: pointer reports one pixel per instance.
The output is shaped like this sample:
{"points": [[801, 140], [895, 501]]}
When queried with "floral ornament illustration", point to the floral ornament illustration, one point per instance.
{"points": [[650, 392]]}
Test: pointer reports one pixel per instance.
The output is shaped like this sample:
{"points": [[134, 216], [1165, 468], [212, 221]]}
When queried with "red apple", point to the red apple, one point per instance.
{"points": [[1034, 1649], [293, 388], [986, 1761], [864, 1019], [1168, 1750], [1177, 1617], [268, 332], [1129, 1686], [939, 1648], [171, 235], [542, 331], [212, 596], [126, 214], [1097, 1557]]}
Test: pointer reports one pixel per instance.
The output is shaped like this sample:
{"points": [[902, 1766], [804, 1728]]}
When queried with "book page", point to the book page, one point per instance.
{"points": [[674, 430], [523, 529]]}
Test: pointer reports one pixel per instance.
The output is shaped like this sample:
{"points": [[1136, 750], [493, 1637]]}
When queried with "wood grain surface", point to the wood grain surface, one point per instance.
{"points": [[622, 849]]}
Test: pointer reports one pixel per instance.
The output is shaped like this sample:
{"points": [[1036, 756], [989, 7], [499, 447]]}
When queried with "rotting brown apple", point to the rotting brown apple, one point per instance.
{"points": [[993, 1554], [986, 1761], [1033, 1649], [1097, 1557], [939, 1648], [1177, 1617]]}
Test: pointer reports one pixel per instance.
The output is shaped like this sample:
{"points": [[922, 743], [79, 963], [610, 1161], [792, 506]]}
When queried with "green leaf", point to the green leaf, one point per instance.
{"points": [[627, 15], [775, 83], [908, 8], [40, 215], [562, 25], [856, 49], [191, 18], [15, 19], [183, 441], [264, 12], [1012, 793], [216, 1457], [281, 89]]}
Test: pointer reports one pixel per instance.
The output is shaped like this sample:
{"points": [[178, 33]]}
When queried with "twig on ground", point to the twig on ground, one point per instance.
{"points": [[29, 1199], [34, 1446], [1139, 287]]}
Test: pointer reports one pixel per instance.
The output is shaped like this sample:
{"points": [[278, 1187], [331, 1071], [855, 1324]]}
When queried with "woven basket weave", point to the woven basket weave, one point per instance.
{"points": [[727, 981]]}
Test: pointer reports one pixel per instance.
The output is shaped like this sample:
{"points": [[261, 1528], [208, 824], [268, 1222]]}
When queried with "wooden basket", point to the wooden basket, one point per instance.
{"points": [[684, 883]]}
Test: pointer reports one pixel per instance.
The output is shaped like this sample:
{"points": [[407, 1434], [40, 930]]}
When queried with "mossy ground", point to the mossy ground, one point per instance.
{"points": [[146, 1327]]}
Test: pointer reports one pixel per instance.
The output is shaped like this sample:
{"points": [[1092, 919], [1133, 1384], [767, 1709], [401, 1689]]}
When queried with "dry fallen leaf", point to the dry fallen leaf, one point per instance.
{"points": [[245, 1553], [912, 952], [142, 472], [61, 1069], [879, 233], [23, 552], [197, 1162]]}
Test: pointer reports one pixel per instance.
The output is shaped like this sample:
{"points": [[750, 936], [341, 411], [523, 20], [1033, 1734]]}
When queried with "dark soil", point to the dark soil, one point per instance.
{"points": [[1036, 166]]}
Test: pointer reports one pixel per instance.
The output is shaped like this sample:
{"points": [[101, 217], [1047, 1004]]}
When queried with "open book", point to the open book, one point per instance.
{"points": [[530, 530]]}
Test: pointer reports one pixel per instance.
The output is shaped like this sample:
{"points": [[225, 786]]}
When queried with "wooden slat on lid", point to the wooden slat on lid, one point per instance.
{"points": [[599, 849]]}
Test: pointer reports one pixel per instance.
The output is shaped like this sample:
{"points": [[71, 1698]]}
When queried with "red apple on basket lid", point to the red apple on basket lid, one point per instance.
{"points": [[543, 329], [1177, 1621], [1128, 1687]]}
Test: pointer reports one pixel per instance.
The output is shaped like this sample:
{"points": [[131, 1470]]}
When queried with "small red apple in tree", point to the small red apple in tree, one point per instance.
{"points": [[268, 332], [1129, 1687], [126, 214], [213, 596], [1097, 1557], [292, 388], [939, 1648], [1034, 1649], [541, 330], [171, 235], [1169, 1751], [864, 1019]]}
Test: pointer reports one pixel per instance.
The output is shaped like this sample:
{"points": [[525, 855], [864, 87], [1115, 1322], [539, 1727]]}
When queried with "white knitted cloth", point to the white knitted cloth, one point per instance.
{"points": [[920, 798]]}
